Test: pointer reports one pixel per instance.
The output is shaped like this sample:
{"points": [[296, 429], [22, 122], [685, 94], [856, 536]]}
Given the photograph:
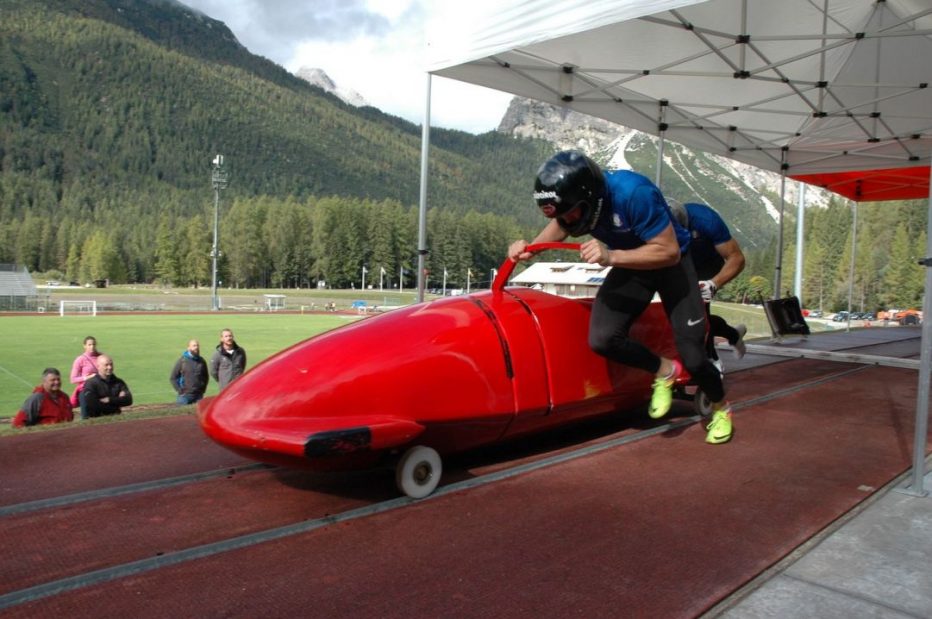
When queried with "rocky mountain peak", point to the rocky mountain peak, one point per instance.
{"points": [[318, 77], [609, 143]]}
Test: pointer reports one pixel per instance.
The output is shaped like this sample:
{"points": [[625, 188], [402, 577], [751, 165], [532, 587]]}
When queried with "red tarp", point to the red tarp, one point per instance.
{"points": [[874, 185]]}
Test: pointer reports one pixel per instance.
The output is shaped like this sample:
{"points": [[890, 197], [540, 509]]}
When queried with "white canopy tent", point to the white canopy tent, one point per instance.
{"points": [[808, 88]]}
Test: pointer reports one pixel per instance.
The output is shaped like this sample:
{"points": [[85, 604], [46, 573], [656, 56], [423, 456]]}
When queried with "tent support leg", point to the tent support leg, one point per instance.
{"points": [[422, 207], [925, 366]]}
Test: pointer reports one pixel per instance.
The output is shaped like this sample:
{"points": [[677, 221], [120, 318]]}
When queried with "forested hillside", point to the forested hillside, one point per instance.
{"points": [[111, 111]]}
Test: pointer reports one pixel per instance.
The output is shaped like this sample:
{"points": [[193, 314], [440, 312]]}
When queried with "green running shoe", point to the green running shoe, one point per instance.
{"points": [[719, 428], [662, 398]]}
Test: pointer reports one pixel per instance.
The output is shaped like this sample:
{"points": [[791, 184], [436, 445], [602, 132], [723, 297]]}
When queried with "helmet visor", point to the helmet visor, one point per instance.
{"points": [[576, 221]]}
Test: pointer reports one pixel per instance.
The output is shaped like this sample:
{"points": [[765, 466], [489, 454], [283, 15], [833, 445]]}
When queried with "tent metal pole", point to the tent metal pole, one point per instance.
{"points": [[925, 366], [778, 268], [800, 218], [854, 249], [661, 130], [422, 208]]}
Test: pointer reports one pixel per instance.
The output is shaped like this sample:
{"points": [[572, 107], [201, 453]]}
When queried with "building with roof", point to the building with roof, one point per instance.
{"points": [[566, 279]]}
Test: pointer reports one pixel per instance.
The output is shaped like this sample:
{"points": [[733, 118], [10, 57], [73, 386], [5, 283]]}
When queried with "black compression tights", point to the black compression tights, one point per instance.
{"points": [[623, 297]]}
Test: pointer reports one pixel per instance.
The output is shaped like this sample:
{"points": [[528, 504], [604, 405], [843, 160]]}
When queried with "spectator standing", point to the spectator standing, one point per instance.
{"points": [[84, 367], [189, 376], [229, 361], [105, 393], [47, 404]]}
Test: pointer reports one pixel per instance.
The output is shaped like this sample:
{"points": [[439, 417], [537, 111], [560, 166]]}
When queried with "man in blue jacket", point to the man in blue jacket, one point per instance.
{"points": [[189, 376], [635, 234]]}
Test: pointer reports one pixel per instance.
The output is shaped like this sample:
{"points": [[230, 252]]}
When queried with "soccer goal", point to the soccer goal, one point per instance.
{"points": [[78, 308]]}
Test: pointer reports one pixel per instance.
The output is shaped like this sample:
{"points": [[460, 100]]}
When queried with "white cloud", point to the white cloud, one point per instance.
{"points": [[388, 72], [375, 47]]}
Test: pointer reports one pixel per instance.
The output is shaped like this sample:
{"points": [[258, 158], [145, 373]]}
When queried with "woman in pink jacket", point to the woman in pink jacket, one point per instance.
{"points": [[83, 368]]}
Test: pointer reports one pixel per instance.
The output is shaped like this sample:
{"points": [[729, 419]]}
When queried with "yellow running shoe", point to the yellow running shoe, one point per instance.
{"points": [[719, 428], [662, 398]]}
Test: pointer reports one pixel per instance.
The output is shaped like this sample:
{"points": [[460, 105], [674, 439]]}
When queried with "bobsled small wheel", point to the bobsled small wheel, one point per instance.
{"points": [[418, 472], [702, 404]]}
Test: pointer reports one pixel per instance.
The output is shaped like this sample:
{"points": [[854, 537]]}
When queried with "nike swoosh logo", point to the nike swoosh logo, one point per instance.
{"points": [[693, 323]]}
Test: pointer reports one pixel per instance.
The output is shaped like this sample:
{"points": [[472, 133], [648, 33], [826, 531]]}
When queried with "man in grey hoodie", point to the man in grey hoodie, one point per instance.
{"points": [[229, 360]]}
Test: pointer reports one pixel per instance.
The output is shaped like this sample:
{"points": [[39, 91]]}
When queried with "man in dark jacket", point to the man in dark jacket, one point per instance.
{"points": [[106, 394], [229, 361], [189, 376], [47, 404]]}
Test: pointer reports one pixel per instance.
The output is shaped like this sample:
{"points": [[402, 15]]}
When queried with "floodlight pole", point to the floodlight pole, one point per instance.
{"points": [[218, 179]]}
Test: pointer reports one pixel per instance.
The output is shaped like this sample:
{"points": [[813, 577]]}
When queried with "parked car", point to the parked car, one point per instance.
{"points": [[840, 316], [909, 317]]}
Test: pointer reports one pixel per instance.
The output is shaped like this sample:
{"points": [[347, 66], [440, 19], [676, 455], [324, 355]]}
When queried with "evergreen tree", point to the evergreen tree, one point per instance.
{"points": [[898, 278], [167, 267]]}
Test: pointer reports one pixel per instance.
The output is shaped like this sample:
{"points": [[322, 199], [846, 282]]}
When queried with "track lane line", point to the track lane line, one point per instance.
{"points": [[103, 493]]}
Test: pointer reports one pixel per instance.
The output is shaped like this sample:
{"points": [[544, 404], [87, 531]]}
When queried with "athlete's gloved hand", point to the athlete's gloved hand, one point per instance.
{"points": [[707, 290]]}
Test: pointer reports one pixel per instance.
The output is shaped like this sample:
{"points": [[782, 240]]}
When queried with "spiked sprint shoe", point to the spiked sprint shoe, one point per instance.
{"points": [[719, 428], [662, 399]]}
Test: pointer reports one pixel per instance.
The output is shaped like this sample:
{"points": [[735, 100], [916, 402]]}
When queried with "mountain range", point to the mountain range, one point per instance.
{"points": [[748, 197]]}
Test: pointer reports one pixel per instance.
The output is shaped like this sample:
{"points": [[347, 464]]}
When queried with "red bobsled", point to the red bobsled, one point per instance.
{"points": [[430, 379]]}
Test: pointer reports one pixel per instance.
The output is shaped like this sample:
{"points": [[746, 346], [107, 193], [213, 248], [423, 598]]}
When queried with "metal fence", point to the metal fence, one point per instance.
{"points": [[18, 293]]}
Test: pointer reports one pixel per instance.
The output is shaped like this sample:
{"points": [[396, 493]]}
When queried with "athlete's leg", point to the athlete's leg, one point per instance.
{"points": [[679, 291], [720, 328], [622, 297], [710, 334], [734, 335]]}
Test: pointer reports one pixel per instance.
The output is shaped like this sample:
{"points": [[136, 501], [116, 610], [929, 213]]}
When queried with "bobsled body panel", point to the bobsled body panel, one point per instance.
{"points": [[579, 382]]}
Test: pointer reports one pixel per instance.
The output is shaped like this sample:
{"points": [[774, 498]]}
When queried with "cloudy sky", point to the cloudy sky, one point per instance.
{"points": [[375, 47]]}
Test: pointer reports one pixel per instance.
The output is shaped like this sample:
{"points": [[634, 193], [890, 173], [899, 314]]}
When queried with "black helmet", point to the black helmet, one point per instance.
{"points": [[568, 181]]}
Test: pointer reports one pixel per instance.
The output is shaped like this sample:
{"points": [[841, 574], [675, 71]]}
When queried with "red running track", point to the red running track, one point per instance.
{"points": [[663, 527]]}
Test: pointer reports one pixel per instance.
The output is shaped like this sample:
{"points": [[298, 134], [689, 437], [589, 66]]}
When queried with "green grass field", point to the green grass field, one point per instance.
{"points": [[144, 347]]}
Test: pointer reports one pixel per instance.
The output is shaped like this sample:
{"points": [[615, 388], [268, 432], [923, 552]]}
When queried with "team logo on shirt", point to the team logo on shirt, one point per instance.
{"points": [[616, 220]]}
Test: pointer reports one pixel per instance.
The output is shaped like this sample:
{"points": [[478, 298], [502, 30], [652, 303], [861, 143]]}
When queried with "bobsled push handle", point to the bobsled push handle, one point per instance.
{"points": [[508, 266]]}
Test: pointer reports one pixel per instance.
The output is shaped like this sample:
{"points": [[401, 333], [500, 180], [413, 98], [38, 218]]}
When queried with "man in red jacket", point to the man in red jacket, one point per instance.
{"points": [[47, 404]]}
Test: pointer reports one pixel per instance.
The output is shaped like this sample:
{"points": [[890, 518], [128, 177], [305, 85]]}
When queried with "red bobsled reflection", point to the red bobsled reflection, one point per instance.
{"points": [[430, 379]]}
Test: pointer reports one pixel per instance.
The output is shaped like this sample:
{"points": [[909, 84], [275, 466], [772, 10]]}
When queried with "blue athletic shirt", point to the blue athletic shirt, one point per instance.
{"points": [[634, 212], [707, 229]]}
